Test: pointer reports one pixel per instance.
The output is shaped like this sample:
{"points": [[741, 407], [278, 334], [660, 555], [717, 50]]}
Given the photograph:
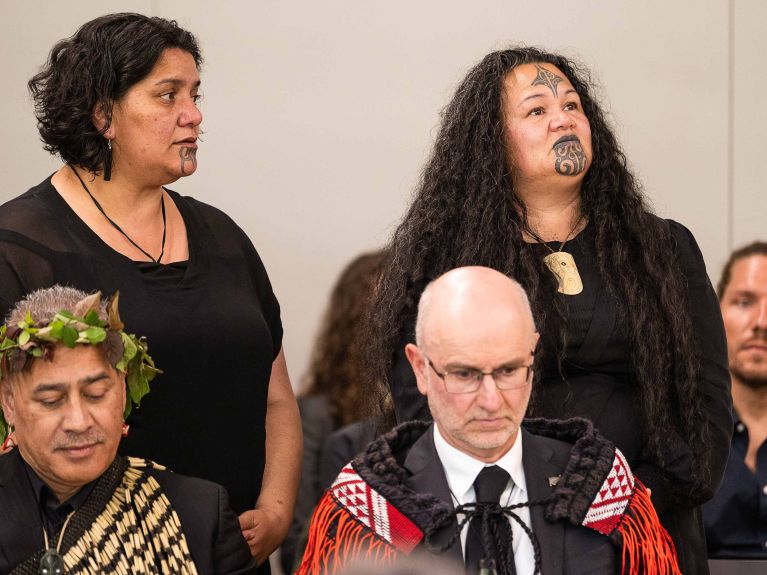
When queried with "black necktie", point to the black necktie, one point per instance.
{"points": [[488, 486]]}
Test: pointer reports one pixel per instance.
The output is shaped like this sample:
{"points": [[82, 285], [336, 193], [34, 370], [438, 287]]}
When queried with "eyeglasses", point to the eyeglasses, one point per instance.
{"points": [[469, 379]]}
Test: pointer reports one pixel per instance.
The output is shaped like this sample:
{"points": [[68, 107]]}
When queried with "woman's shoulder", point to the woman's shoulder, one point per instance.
{"points": [[679, 233], [212, 220], [209, 213], [683, 241], [35, 203]]}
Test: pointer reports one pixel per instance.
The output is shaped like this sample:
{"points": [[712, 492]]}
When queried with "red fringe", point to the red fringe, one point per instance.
{"points": [[353, 542], [647, 547]]}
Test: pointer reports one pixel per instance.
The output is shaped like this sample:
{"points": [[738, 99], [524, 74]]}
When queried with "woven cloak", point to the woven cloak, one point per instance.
{"points": [[125, 526], [369, 513]]}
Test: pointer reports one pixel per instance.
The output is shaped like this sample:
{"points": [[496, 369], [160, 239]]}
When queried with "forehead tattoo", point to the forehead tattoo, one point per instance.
{"points": [[546, 78]]}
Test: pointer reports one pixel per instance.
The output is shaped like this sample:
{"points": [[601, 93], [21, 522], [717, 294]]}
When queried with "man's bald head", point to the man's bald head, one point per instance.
{"points": [[474, 326], [471, 292]]}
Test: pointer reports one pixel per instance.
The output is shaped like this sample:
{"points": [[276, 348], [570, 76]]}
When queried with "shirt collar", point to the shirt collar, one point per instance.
{"points": [[47, 500], [462, 469]]}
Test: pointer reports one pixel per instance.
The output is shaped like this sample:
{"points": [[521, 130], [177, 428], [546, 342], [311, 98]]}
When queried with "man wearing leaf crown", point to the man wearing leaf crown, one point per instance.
{"points": [[69, 374]]}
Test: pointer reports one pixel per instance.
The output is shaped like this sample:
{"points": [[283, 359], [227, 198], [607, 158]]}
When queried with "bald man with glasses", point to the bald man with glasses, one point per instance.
{"points": [[481, 485]]}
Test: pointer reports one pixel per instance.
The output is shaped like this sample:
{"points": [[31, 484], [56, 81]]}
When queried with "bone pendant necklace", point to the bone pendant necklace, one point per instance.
{"points": [[562, 265]]}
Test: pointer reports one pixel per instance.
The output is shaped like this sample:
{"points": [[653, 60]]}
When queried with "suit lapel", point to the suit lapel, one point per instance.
{"points": [[428, 476], [540, 464]]}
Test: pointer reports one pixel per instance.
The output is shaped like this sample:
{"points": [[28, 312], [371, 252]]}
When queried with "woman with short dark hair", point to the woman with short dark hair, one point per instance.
{"points": [[118, 102], [92, 71], [527, 177]]}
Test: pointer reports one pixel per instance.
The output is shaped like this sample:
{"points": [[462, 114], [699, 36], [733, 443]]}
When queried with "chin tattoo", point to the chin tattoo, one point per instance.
{"points": [[188, 156], [571, 159]]}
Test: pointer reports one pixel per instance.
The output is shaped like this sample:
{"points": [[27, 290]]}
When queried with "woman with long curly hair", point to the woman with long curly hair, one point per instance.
{"points": [[527, 177]]}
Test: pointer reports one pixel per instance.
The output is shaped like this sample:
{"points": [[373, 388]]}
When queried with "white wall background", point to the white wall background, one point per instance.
{"points": [[319, 115], [748, 122]]}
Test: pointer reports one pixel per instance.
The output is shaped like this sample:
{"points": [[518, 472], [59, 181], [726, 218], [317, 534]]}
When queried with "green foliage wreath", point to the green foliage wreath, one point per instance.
{"points": [[27, 341]]}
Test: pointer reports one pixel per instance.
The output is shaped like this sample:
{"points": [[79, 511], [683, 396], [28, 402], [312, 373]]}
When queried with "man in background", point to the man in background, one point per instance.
{"points": [[736, 519]]}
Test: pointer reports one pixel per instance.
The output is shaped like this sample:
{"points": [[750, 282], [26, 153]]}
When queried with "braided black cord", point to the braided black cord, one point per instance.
{"points": [[486, 511], [503, 537], [505, 548], [531, 535]]}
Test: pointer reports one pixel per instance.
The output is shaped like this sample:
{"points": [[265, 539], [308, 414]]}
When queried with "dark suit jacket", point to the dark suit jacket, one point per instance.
{"points": [[566, 549], [210, 526]]}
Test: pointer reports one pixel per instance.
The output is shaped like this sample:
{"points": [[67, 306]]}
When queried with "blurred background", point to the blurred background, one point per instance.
{"points": [[319, 115]]}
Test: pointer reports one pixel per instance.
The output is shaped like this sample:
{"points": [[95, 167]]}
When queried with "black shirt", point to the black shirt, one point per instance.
{"points": [[54, 513], [736, 519], [212, 324]]}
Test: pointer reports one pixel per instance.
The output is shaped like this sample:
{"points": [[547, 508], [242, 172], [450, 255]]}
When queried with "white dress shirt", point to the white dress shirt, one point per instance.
{"points": [[461, 470]]}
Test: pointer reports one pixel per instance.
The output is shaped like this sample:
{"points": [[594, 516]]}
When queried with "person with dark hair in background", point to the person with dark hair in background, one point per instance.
{"points": [[118, 102], [526, 177], [335, 394], [736, 519], [70, 504]]}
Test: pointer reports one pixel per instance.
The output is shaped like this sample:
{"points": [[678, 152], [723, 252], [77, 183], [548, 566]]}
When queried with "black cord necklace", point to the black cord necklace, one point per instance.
{"points": [[52, 563], [119, 229]]}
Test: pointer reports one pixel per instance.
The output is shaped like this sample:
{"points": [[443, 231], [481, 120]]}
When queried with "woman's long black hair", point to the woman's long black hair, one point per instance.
{"points": [[467, 212]]}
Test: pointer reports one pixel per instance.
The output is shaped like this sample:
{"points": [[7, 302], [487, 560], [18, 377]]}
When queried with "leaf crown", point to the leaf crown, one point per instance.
{"points": [[27, 340]]}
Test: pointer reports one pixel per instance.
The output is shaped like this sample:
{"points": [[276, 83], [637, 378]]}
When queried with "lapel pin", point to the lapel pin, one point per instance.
{"points": [[554, 480]]}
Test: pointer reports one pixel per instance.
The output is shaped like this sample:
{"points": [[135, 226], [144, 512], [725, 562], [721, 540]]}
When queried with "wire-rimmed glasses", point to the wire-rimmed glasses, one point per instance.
{"points": [[469, 379]]}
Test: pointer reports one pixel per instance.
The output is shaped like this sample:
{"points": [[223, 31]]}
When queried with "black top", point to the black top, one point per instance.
{"points": [[599, 385], [213, 326], [736, 519], [54, 513]]}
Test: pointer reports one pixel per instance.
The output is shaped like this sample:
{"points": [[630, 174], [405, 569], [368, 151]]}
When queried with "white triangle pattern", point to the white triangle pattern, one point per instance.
{"points": [[613, 496], [365, 503]]}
